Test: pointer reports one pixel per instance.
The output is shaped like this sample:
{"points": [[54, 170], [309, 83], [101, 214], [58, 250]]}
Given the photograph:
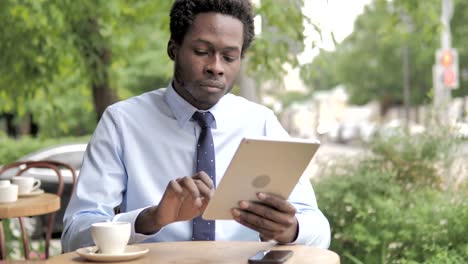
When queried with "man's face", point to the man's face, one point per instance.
{"points": [[208, 60]]}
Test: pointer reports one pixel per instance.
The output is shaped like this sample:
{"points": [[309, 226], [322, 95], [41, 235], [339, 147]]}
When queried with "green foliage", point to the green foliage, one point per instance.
{"points": [[281, 39], [54, 51], [416, 159], [51, 56], [460, 40], [8, 236], [369, 62], [322, 73], [386, 210]]}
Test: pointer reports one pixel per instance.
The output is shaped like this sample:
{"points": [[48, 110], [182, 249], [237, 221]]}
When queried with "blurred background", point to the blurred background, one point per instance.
{"points": [[382, 83]]}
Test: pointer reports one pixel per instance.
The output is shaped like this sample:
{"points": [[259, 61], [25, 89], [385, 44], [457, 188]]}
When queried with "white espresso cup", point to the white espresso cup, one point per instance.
{"points": [[26, 184], [8, 192], [4, 183], [111, 237]]}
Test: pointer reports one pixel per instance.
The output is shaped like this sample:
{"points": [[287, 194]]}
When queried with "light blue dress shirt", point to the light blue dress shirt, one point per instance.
{"points": [[142, 143]]}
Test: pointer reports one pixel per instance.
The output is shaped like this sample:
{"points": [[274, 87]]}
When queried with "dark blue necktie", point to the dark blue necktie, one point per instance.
{"points": [[202, 229]]}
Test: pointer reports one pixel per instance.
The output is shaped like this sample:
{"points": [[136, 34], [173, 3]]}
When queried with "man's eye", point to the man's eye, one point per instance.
{"points": [[230, 59], [201, 52]]}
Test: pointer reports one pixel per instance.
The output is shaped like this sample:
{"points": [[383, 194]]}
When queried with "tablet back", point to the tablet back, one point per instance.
{"points": [[260, 165]]}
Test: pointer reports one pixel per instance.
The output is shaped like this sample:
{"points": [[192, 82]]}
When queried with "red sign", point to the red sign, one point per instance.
{"points": [[449, 77]]}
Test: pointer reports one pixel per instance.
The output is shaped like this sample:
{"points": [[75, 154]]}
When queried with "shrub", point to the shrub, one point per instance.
{"points": [[394, 206], [417, 160]]}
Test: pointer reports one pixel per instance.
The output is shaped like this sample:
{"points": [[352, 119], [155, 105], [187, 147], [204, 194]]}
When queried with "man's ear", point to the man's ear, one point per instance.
{"points": [[172, 49]]}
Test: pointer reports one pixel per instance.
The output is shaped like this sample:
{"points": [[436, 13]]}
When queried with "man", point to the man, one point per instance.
{"points": [[143, 148]]}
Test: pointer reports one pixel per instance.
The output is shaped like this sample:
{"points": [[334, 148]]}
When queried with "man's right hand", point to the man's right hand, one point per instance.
{"points": [[184, 199]]}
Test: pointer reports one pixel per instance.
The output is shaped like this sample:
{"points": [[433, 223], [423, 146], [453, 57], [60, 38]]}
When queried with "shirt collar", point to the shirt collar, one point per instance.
{"points": [[183, 110]]}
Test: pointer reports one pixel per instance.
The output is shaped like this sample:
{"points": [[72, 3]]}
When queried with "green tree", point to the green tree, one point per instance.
{"points": [[321, 73], [369, 62], [63, 60], [281, 38]]}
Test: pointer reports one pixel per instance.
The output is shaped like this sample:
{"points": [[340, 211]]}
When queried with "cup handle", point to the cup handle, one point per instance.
{"points": [[36, 185]]}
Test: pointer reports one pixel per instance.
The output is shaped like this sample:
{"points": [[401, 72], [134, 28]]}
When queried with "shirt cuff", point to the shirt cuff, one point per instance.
{"points": [[131, 217], [302, 237], [313, 231]]}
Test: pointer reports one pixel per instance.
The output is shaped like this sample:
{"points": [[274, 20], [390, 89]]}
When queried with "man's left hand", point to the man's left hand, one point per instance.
{"points": [[273, 217]]}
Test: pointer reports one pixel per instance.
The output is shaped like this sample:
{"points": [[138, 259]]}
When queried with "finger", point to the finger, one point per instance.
{"points": [[266, 237], [205, 178], [277, 202], [204, 190], [174, 187], [188, 184], [264, 233], [263, 230], [268, 212], [257, 222]]}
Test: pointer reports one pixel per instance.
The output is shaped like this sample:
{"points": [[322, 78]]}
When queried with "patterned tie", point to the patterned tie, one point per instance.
{"points": [[202, 229]]}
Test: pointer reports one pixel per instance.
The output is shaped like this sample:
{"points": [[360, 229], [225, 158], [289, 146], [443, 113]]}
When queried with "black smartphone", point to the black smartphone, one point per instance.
{"points": [[270, 256]]}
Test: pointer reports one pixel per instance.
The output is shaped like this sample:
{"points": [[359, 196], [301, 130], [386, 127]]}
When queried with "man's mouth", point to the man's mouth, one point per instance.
{"points": [[213, 86]]}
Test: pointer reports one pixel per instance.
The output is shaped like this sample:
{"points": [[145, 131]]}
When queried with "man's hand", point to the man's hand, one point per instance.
{"points": [[184, 199], [273, 217]]}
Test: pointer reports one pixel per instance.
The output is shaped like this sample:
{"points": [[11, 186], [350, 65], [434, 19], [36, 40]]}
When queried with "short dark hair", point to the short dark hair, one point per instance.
{"points": [[183, 14]]}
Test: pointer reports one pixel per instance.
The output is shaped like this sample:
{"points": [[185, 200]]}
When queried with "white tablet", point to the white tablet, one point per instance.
{"points": [[260, 165]]}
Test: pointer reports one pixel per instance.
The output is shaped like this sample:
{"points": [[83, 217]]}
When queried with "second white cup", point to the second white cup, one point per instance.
{"points": [[8, 192], [111, 237], [4, 183], [26, 184]]}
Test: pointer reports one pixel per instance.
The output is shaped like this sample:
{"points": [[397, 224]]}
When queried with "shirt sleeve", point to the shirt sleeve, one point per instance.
{"points": [[314, 229], [100, 188]]}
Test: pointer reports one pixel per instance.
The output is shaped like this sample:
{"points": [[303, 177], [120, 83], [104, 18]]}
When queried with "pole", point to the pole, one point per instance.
{"points": [[442, 94], [406, 79], [407, 20], [447, 13]]}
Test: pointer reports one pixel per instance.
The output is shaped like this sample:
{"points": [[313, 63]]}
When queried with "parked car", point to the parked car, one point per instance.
{"points": [[71, 154]]}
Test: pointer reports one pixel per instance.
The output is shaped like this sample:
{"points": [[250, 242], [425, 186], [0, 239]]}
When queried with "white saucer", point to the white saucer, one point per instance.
{"points": [[131, 252], [33, 193]]}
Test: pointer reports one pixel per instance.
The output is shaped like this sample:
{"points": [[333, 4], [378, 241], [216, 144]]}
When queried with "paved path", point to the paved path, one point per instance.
{"points": [[328, 153]]}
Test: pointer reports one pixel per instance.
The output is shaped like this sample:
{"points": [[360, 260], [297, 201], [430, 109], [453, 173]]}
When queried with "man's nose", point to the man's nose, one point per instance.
{"points": [[215, 66]]}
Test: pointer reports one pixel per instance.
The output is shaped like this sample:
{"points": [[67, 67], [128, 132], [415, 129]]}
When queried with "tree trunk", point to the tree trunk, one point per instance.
{"points": [[406, 83], [247, 86], [386, 102], [103, 96], [10, 125], [97, 54]]}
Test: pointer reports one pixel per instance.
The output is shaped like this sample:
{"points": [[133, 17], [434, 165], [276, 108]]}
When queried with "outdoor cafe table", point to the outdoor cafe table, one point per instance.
{"points": [[26, 206], [219, 252]]}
